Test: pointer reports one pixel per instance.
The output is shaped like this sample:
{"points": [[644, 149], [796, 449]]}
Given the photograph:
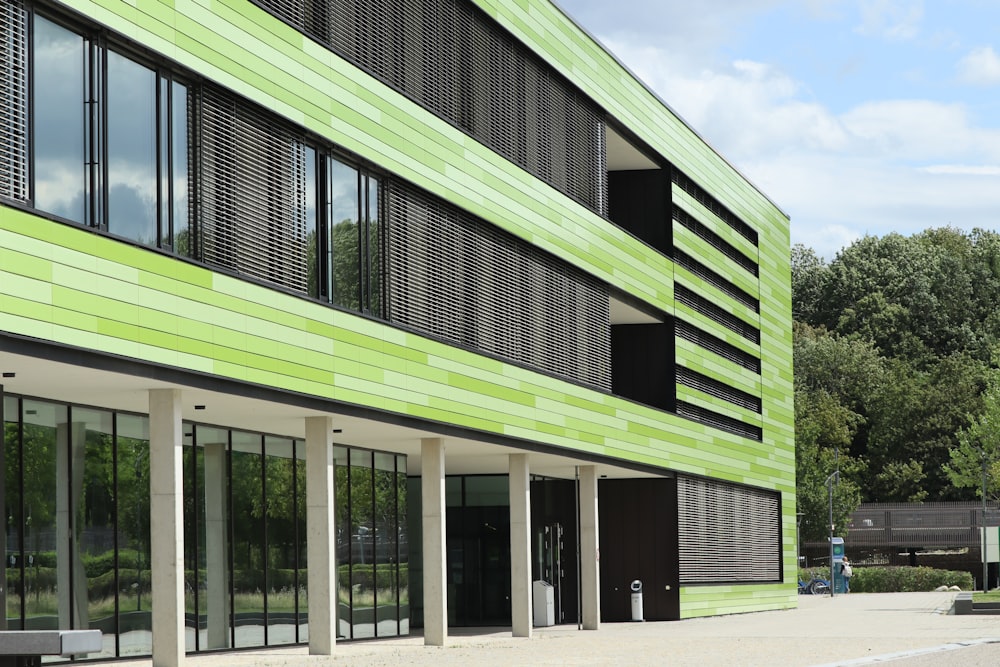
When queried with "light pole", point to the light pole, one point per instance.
{"points": [[829, 488], [982, 458]]}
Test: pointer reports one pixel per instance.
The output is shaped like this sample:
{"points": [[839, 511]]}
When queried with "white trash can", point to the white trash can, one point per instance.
{"points": [[543, 604], [636, 600]]}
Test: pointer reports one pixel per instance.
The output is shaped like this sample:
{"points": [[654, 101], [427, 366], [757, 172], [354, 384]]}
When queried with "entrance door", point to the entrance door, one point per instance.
{"points": [[478, 566], [551, 559]]}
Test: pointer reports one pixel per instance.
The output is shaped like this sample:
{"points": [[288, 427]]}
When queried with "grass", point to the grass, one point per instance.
{"points": [[993, 596]]}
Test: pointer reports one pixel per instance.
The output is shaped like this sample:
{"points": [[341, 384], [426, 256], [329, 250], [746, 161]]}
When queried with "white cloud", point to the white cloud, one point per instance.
{"points": [[962, 169], [894, 20], [883, 166], [980, 67]]}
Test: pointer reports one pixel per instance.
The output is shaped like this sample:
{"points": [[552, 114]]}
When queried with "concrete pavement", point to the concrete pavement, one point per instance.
{"points": [[903, 629]]}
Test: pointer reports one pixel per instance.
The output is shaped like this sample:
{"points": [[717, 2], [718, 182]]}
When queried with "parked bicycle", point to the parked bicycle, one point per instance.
{"points": [[814, 586]]}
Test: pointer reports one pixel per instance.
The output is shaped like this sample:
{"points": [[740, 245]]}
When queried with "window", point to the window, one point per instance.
{"points": [[109, 137], [123, 145], [350, 240], [60, 179]]}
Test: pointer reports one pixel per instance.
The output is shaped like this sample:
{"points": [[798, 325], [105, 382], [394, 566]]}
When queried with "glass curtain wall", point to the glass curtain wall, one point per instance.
{"points": [[83, 473], [372, 544], [77, 533]]}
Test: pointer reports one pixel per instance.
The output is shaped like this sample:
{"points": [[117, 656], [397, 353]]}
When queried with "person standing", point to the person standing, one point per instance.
{"points": [[847, 572]]}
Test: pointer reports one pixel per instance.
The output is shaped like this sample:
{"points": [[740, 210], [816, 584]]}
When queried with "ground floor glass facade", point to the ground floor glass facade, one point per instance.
{"points": [[77, 533]]}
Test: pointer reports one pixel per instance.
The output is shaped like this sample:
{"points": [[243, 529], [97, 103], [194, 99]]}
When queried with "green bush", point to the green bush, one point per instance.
{"points": [[901, 579], [906, 579]]}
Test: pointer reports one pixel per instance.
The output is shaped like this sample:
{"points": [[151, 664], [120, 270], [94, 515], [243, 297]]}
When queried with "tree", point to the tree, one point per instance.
{"points": [[915, 418], [823, 430], [809, 276], [979, 443]]}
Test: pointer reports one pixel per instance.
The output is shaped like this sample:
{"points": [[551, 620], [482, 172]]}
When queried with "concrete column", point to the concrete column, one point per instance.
{"points": [[590, 570], [520, 546], [70, 449], [216, 541], [435, 556], [321, 548], [166, 493]]}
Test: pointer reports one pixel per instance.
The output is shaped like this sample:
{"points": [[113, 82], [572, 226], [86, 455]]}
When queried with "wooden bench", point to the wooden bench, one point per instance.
{"points": [[25, 648]]}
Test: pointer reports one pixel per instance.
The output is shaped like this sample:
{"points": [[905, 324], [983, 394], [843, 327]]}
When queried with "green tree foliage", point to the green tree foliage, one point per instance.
{"points": [[978, 449], [902, 333], [823, 430]]}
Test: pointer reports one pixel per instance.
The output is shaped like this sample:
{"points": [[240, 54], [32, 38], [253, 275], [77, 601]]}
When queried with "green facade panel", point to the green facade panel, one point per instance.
{"points": [[472, 392]]}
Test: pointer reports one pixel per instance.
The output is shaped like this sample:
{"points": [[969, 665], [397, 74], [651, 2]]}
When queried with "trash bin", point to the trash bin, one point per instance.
{"points": [[636, 600], [543, 604]]}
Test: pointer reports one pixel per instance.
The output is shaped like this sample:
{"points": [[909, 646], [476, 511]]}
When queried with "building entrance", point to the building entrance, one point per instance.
{"points": [[478, 566]]}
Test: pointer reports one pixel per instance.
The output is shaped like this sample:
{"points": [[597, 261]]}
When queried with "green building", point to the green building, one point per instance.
{"points": [[332, 319]]}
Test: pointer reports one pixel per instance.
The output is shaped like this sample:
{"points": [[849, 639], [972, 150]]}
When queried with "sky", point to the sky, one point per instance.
{"points": [[856, 117]]}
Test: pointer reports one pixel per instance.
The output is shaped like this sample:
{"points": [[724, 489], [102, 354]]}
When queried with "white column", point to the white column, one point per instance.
{"points": [[320, 536], [520, 546], [166, 440], [70, 448], [590, 570], [435, 560], [216, 550]]}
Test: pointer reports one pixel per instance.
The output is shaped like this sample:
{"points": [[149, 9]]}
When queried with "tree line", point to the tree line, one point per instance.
{"points": [[896, 352]]}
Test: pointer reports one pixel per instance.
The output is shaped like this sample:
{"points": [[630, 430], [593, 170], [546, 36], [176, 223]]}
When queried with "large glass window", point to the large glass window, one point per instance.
{"points": [[110, 139], [131, 104], [282, 535], [372, 548], [343, 247], [77, 538], [60, 179], [249, 544], [136, 603], [175, 189], [386, 537], [13, 524], [93, 506], [45, 558], [362, 546], [351, 245]]}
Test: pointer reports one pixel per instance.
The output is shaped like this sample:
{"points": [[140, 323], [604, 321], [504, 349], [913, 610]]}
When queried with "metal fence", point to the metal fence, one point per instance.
{"points": [[923, 525]]}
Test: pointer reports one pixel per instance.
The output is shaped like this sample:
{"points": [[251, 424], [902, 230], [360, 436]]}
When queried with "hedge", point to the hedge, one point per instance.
{"points": [[896, 579]]}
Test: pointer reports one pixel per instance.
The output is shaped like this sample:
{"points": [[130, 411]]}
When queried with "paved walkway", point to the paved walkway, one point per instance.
{"points": [[903, 629]]}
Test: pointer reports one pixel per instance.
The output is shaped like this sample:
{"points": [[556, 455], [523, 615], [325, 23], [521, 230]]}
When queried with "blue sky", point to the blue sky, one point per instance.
{"points": [[857, 117]]}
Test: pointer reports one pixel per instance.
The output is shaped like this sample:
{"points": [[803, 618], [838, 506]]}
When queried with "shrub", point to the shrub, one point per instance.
{"points": [[906, 579], [900, 579]]}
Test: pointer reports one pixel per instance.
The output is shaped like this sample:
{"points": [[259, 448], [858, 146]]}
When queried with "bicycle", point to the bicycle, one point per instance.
{"points": [[814, 586]]}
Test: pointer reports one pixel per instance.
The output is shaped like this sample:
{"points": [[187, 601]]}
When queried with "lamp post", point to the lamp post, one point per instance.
{"points": [[982, 458], [829, 488]]}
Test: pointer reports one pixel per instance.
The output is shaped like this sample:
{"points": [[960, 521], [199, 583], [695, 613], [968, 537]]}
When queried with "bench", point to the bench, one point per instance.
{"points": [[963, 604], [25, 648]]}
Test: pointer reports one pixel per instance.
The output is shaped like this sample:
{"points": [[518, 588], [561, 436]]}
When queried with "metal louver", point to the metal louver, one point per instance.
{"points": [[682, 181], [470, 283], [13, 101], [699, 414], [450, 57], [713, 278], [702, 305], [727, 532], [713, 387], [252, 194], [708, 236], [693, 334]]}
